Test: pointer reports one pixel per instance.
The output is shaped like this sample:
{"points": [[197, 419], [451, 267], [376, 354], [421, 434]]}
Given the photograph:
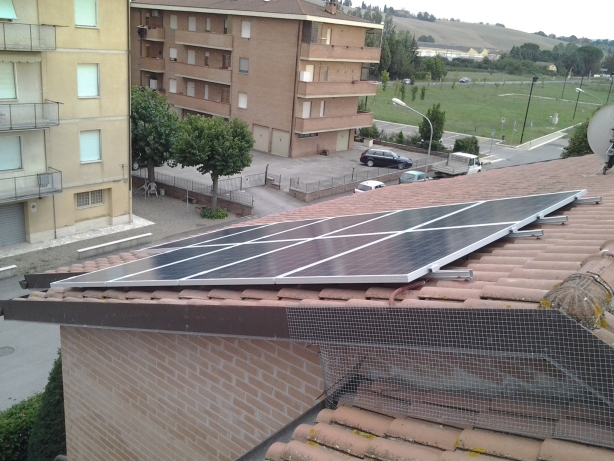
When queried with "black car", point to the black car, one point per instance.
{"points": [[381, 157]]}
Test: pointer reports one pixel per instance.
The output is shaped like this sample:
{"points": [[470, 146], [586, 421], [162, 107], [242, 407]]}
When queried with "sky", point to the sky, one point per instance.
{"points": [[552, 17]]}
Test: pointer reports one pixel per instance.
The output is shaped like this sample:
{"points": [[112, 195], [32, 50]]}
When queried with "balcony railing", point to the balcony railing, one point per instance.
{"points": [[342, 122], [199, 105], [26, 37], [335, 89], [204, 39], [320, 52], [35, 185], [155, 34], [211, 74], [29, 116], [152, 64]]}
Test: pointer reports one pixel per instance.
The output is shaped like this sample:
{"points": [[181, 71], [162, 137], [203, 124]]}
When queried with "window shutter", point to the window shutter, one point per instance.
{"points": [[172, 54], [190, 88], [191, 57], [208, 24], [173, 24], [242, 100], [11, 153], [206, 91], [246, 29], [87, 80], [243, 65], [85, 13], [192, 24], [172, 85], [7, 81], [89, 145]]}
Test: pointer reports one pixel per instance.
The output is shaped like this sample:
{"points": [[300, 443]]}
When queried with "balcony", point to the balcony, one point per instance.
{"points": [[204, 39], [35, 185], [152, 64], [318, 52], [335, 89], [153, 34], [26, 37], [343, 122], [29, 116], [210, 74], [199, 105]]}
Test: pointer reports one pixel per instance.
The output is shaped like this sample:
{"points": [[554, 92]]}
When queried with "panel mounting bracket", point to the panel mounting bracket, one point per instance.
{"points": [[516, 234], [588, 200], [552, 220], [460, 274]]}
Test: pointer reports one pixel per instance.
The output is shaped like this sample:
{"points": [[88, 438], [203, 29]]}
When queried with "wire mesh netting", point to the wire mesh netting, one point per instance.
{"points": [[536, 373]]}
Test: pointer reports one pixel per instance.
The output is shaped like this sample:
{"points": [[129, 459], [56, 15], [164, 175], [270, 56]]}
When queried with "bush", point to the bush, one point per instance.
{"points": [[15, 427], [578, 143], [370, 132], [207, 213], [48, 436], [467, 145]]}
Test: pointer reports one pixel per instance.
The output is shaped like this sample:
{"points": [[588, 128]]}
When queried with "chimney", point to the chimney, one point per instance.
{"points": [[331, 6]]}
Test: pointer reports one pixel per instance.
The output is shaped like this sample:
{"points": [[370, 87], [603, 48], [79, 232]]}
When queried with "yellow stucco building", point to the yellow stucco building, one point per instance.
{"points": [[64, 118]]}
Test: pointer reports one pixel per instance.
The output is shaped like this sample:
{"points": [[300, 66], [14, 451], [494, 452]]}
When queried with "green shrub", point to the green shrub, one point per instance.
{"points": [[15, 427], [400, 139], [370, 132], [48, 436], [207, 213], [467, 145], [578, 143]]}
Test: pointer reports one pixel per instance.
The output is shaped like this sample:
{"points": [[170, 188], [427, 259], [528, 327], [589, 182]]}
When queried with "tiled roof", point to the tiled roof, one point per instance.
{"points": [[285, 7], [351, 433]]}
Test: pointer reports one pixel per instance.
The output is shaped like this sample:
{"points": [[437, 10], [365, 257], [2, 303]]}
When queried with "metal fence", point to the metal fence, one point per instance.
{"points": [[356, 176], [234, 196], [27, 116], [274, 179], [26, 37], [35, 185]]}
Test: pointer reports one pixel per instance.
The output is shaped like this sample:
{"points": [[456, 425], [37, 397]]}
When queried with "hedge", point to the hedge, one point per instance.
{"points": [[15, 427]]}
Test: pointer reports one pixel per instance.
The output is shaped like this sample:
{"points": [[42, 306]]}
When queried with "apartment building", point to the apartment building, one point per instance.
{"points": [[64, 118], [293, 70]]}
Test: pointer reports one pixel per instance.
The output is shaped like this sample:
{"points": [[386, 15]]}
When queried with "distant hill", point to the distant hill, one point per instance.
{"points": [[476, 35]]}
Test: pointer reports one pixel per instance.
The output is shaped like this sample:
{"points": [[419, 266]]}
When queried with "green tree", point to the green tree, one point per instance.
{"points": [[154, 127], [385, 57], [468, 145], [385, 79], [590, 56], [402, 91], [414, 90], [48, 436], [215, 146], [422, 93], [400, 139], [578, 143], [435, 66], [437, 118]]}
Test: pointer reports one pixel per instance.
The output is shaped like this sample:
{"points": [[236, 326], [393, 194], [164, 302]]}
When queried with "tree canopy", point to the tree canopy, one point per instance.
{"points": [[214, 146], [154, 127], [467, 145], [437, 118]]}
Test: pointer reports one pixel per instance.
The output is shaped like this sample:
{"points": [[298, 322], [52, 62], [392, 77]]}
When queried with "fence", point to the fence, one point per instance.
{"points": [[35, 185], [355, 176], [235, 196]]}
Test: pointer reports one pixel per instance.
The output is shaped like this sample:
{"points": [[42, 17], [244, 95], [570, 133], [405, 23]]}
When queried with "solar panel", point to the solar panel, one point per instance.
{"points": [[387, 247]]}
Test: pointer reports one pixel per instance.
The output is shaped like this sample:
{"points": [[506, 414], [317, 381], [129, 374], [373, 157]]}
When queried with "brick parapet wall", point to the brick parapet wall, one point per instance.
{"points": [[144, 395]]}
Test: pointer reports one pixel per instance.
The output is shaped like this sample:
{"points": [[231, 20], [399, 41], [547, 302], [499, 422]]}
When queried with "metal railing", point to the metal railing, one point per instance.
{"points": [[356, 176], [35, 185], [26, 37], [28, 116], [234, 196]]}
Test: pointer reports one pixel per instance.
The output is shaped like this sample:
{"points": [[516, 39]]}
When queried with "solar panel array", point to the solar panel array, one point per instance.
{"points": [[387, 247]]}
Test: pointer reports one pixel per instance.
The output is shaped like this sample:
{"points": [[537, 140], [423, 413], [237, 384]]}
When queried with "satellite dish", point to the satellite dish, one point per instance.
{"points": [[600, 131]]}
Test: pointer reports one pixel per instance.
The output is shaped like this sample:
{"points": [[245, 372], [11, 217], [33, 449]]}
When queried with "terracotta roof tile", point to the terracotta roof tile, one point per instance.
{"points": [[583, 431], [165, 294], [275, 452], [139, 294], [364, 421], [297, 451], [194, 294], [389, 450], [497, 444], [425, 433], [94, 293], [559, 450], [513, 293], [219, 293], [505, 422], [252, 293], [453, 294], [342, 294], [334, 437], [460, 455], [298, 294], [114, 294]]}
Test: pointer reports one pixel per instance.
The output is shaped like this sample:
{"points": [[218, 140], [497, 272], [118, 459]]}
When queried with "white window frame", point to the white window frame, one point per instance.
{"points": [[90, 4], [172, 54], [242, 101], [172, 85], [208, 25], [81, 142], [206, 59], [206, 95], [190, 89], [85, 71], [13, 77], [19, 147], [173, 22], [306, 110], [246, 29], [246, 62], [191, 23], [89, 199], [192, 57], [322, 108]]}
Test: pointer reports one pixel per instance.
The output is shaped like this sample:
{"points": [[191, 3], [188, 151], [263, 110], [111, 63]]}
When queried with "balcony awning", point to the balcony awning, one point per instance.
{"points": [[7, 10], [9, 56]]}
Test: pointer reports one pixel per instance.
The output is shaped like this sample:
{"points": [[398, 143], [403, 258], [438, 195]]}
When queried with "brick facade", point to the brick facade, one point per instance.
{"points": [[143, 395]]}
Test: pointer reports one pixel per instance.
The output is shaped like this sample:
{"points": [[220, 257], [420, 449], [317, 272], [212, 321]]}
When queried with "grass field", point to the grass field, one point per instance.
{"points": [[478, 108]]}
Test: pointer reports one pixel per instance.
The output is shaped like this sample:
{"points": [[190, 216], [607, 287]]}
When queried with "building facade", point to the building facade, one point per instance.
{"points": [[456, 51], [64, 118], [294, 71]]}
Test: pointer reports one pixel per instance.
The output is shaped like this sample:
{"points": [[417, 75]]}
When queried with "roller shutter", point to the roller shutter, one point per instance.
{"points": [[12, 224]]}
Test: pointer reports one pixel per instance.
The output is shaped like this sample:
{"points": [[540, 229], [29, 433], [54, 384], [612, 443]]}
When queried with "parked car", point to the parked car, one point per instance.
{"points": [[381, 157], [368, 185], [413, 176], [465, 80], [137, 165], [407, 81]]}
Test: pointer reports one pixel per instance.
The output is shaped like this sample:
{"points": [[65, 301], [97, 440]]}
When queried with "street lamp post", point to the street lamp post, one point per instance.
{"points": [[611, 81], [527, 112], [580, 90], [578, 98], [398, 102]]}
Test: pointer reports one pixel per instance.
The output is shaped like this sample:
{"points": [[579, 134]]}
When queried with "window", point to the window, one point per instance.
{"points": [[206, 58], [89, 146], [325, 74], [85, 13], [11, 153], [246, 29], [322, 106], [227, 61], [172, 85], [306, 109], [242, 100], [308, 135], [173, 24], [208, 25], [243, 65], [190, 88], [191, 57], [87, 81], [7, 10], [89, 198], [206, 91], [8, 89], [153, 83], [364, 71], [172, 54], [192, 23]]}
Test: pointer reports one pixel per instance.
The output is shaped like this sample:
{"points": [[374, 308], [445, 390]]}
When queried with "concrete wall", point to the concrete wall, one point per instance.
{"points": [[160, 396]]}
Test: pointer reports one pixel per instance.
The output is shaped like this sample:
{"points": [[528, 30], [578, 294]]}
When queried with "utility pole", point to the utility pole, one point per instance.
{"points": [[527, 112], [577, 99]]}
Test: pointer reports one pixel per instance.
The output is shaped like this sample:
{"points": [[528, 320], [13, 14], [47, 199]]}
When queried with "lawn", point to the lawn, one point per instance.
{"points": [[478, 108]]}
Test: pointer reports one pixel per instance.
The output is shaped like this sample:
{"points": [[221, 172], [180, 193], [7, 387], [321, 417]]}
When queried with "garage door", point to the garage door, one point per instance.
{"points": [[261, 138], [281, 143], [12, 224], [342, 140]]}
